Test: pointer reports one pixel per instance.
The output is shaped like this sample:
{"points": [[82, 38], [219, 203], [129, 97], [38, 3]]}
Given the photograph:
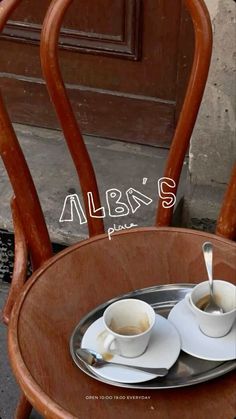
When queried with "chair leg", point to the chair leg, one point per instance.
{"points": [[23, 408]]}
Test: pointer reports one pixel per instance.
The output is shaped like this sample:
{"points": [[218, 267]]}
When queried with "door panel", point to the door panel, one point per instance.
{"points": [[122, 61]]}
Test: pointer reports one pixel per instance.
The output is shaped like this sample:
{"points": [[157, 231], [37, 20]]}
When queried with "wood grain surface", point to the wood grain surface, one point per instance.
{"points": [[77, 280]]}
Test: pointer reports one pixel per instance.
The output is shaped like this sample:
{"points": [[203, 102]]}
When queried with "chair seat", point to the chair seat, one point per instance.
{"points": [[78, 279]]}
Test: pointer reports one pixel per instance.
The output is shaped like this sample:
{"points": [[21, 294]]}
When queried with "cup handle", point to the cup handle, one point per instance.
{"points": [[108, 342], [188, 302]]}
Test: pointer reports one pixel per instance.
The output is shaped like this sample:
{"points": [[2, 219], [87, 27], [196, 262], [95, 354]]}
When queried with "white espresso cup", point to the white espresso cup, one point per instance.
{"points": [[129, 324], [212, 324]]}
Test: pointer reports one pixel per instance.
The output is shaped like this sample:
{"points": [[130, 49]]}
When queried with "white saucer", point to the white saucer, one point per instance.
{"points": [[195, 343], [162, 352]]}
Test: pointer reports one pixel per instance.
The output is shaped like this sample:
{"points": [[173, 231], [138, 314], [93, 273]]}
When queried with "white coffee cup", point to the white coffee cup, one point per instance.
{"points": [[211, 324], [129, 324]]}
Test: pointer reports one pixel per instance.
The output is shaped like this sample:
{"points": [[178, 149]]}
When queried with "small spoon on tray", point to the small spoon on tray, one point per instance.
{"points": [[95, 359]]}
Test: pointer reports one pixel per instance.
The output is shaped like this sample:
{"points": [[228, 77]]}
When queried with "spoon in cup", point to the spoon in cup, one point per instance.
{"points": [[211, 306]]}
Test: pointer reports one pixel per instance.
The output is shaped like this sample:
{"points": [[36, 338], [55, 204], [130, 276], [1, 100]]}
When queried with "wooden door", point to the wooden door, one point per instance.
{"points": [[125, 63]]}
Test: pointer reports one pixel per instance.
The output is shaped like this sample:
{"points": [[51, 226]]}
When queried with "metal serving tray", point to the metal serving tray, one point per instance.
{"points": [[187, 370]]}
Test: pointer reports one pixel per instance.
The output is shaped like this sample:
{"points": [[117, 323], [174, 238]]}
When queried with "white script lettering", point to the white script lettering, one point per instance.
{"points": [[116, 228]]}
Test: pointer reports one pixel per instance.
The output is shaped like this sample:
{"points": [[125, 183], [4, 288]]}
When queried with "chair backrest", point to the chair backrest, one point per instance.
{"points": [[32, 217], [56, 88]]}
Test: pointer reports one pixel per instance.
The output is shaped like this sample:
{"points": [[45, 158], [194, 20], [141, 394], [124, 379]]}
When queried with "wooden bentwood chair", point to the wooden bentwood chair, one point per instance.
{"points": [[65, 287]]}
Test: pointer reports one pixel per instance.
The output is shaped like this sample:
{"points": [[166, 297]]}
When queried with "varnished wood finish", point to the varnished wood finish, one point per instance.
{"points": [[19, 174], [202, 56], [23, 409], [7, 7], [69, 124], [24, 225], [90, 273], [226, 223], [20, 263], [27, 199]]}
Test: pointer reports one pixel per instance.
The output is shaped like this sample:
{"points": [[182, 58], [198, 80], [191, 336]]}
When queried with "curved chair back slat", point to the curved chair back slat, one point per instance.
{"points": [[226, 223], [26, 196], [7, 7], [196, 85], [56, 88]]}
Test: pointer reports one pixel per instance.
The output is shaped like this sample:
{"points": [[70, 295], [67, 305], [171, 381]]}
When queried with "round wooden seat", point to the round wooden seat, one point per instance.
{"points": [[72, 283]]}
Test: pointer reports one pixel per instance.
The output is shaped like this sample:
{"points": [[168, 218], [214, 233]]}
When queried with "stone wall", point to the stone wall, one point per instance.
{"points": [[213, 143]]}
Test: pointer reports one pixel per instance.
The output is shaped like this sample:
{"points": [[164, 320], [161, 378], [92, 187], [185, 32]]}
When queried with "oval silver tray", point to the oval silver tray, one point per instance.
{"points": [[187, 370]]}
